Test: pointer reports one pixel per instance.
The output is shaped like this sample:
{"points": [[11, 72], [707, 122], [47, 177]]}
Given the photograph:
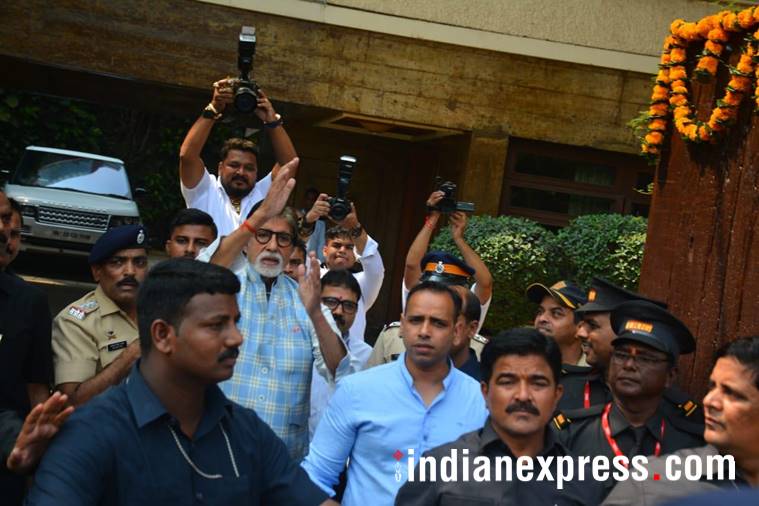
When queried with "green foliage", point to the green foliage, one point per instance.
{"points": [[519, 252], [607, 245]]}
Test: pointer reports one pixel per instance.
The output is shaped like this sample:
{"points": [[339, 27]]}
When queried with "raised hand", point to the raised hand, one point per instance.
{"points": [[40, 426], [309, 284], [223, 93], [319, 209], [264, 109], [279, 193], [458, 222]]}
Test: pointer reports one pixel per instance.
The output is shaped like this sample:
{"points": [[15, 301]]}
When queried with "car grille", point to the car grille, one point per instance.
{"points": [[81, 219]]}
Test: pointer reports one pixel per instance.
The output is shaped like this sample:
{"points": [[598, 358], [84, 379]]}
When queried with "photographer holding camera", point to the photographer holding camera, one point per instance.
{"points": [[229, 196], [483, 285]]}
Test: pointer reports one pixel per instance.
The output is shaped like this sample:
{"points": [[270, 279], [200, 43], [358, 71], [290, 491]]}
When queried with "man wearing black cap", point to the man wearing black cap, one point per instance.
{"points": [[556, 318], [95, 338], [597, 334], [637, 421], [443, 268]]}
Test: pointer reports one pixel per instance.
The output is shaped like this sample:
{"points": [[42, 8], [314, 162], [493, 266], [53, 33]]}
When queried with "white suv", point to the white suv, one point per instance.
{"points": [[69, 199]]}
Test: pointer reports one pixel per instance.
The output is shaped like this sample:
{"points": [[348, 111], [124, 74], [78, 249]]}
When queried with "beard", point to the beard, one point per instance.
{"points": [[235, 192], [266, 270]]}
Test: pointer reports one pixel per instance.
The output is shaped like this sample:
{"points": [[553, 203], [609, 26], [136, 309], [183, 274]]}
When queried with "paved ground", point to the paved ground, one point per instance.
{"points": [[64, 278]]}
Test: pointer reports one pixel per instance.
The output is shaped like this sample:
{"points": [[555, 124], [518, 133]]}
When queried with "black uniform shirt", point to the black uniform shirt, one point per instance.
{"points": [[582, 432], [25, 355], [485, 442]]}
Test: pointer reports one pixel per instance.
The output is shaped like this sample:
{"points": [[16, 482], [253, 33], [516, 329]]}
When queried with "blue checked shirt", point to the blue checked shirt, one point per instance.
{"points": [[280, 347]]}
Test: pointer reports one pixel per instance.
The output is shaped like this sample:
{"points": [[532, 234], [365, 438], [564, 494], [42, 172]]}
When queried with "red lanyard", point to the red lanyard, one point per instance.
{"points": [[613, 443], [586, 396]]}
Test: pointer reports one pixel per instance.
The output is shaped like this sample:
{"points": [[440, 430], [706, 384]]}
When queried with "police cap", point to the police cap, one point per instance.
{"points": [[116, 239], [445, 268]]}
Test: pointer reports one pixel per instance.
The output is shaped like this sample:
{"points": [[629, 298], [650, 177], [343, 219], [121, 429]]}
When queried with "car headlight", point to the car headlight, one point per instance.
{"points": [[118, 221]]}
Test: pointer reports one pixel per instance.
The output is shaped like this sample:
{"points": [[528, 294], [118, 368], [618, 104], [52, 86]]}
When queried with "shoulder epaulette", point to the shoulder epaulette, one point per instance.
{"points": [[391, 326], [561, 421], [480, 339], [688, 407], [80, 311]]}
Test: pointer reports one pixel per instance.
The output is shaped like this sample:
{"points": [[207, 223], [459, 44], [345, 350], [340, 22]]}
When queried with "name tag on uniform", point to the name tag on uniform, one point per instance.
{"points": [[117, 346]]}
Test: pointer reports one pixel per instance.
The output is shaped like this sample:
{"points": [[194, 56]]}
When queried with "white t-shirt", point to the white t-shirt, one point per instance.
{"points": [[209, 196], [483, 307]]}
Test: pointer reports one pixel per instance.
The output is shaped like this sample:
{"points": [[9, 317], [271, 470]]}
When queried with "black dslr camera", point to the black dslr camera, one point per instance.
{"points": [[339, 205], [246, 90], [448, 203]]}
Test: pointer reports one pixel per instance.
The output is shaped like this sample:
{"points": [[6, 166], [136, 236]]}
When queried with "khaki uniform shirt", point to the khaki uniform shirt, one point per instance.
{"points": [[389, 345], [88, 335]]}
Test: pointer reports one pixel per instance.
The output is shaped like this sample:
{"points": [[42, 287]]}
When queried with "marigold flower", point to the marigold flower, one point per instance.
{"points": [[722, 114], [678, 100], [663, 76], [657, 124], [677, 73], [704, 133], [716, 127], [654, 138], [682, 112], [677, 55], [740, 83], [733, 99], [717, 35], [746, 18], [658, 110], [745, 64], [675, 25], [714, 47], [730, 22], [708, 64]]}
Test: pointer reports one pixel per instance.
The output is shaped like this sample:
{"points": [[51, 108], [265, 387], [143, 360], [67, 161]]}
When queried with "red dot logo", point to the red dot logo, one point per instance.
{"points": [[657, 477], [397, 455]]}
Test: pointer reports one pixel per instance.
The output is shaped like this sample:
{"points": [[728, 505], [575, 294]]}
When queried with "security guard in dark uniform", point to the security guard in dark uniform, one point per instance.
{"points": [[437, 266], [566, 297], [638, 420], [597, 331]]}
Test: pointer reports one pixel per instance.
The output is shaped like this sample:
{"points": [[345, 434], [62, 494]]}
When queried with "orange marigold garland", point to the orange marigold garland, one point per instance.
{"points": [[670, 95]]}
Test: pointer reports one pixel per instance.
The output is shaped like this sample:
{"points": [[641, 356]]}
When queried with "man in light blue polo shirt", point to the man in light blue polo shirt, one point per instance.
{"points": [[415, 403]]}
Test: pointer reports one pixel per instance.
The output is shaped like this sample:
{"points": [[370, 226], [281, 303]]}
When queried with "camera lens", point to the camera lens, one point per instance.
{"points": [[245, 100]]}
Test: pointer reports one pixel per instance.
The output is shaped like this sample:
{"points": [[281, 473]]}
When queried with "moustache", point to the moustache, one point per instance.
{"points": [[128, 282], [239, 178], [526, 407], [228, 353], [338, 319]]}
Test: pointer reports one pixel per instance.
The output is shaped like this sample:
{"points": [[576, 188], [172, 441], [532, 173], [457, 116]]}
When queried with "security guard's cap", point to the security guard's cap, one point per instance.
{"points": [[604, 296], [116, 239], [647, 323], [445, 268], [565, 293]]}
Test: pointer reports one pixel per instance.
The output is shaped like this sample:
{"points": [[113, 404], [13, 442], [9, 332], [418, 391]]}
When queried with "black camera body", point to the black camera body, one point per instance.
{"points": [[448, 204], [246, 89], [339, 205]]}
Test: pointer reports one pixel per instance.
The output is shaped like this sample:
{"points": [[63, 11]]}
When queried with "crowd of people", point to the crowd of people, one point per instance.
{"points": [[237, 371]]}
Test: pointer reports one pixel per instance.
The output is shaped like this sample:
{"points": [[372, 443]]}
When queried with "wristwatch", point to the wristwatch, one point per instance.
{"points": [[274, 124], [210, 112]]}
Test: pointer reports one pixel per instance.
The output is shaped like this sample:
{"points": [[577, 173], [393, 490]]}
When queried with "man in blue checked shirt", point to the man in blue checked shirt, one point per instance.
{"points": [[415, 403], [286, 329]]}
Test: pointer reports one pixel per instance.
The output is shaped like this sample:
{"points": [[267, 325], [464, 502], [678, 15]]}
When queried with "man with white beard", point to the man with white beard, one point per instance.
{"points": [[285, 328]]}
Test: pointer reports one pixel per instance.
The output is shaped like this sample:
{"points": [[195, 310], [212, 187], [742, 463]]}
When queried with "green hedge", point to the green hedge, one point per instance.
{"points": [[519, 251]]}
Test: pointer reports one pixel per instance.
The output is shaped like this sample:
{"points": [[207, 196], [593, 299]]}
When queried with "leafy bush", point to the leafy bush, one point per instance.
{"points": [[519, 252], [607, 245]]}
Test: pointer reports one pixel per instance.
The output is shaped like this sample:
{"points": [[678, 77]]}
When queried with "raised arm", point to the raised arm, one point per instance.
{"points": [[309, 288], [484, 287], [412, 271], [373, 274], [284, 151], [281, 187], [191, 166]]}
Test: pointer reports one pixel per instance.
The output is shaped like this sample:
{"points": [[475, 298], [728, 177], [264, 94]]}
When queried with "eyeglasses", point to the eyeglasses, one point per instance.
{"points": [[621, 357], [263, 236], [349, 307]]}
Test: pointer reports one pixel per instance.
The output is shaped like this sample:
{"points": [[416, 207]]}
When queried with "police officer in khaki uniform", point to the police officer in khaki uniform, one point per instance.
{"points": [[638, 420], [95, 338], [438, 266]]}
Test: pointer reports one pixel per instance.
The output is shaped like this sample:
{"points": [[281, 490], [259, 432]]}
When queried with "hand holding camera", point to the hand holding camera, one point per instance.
{"points": [[319, 210], [223, 94]]}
